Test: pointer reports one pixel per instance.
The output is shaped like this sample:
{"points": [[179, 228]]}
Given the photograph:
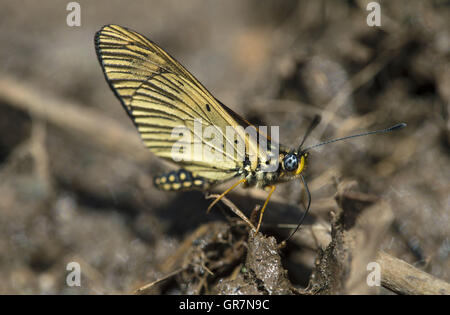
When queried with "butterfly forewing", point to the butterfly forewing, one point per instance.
{"points": [[160, 95]]}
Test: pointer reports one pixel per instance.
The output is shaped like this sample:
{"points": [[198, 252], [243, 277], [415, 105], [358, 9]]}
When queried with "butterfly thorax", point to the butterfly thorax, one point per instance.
{"points": [[290, 165]]}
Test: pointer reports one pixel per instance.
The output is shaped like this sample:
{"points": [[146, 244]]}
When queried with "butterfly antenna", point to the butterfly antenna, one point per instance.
{"points": [[312, 125], [306, 211], [393, 128]]}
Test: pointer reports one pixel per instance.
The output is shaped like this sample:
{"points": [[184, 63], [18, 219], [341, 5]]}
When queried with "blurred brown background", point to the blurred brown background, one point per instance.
{"points": [[75, 182]]}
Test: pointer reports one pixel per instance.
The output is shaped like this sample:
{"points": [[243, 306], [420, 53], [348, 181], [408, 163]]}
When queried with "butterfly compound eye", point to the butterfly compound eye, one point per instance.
{"points": [[290, 162]]}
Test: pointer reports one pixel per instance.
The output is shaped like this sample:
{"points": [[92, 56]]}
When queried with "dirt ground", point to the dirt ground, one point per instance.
{"points": [[76, 182]]}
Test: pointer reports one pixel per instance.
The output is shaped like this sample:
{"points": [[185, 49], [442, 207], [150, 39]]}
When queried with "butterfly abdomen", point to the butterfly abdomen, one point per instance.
{"points": [[180, 180]]}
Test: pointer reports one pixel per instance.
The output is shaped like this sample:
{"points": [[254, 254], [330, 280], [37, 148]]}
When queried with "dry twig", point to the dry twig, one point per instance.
{"points": [[402, 278]]}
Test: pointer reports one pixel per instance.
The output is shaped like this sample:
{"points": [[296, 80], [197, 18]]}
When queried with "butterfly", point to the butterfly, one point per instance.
{"points": [[167, 105]]}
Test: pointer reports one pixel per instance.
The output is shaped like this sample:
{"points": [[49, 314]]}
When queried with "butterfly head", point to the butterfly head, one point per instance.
{"points": [[294, 163]]}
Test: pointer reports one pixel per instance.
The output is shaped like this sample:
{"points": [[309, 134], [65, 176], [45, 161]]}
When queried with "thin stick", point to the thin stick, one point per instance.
{"points": [[233, 208], [151, 284], [224, 193]]}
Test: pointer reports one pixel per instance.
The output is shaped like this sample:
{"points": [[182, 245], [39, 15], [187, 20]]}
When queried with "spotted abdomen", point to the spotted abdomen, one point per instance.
{"points": [[180, 180]]}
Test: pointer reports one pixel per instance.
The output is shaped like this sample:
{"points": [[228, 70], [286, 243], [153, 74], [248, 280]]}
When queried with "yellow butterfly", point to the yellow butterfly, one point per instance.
{"points": [[161, 96]]}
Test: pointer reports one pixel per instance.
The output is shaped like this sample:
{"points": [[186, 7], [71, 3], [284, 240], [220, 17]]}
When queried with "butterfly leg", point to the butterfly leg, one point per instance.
{"points": [[272, 189], [224, 193]]}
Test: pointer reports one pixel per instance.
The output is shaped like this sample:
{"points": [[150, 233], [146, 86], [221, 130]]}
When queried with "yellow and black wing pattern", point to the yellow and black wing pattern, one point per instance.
{"points": [[159, 94]]}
